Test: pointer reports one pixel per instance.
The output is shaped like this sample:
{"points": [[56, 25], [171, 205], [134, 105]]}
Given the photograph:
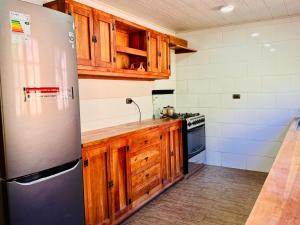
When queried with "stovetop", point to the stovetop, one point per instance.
{"points": [[182, 116], [192, 120], [187, 115]]}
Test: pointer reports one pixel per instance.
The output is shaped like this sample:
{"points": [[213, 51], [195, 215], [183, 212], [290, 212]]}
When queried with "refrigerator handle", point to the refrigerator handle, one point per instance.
{"points": [[72, 92], [47, 174]]}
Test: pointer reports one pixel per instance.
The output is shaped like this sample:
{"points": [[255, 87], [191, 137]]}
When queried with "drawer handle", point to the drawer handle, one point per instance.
{"points": [[146, 158], [147, 175]]}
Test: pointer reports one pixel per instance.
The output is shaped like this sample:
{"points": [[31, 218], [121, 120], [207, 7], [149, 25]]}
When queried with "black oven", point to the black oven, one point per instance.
{"points": [[193, 135], [195, 141]]}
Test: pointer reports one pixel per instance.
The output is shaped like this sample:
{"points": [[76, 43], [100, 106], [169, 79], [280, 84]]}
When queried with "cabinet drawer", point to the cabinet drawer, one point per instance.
{"points": [[144, 159], [145, 139], [145, 176], [146, 189]]}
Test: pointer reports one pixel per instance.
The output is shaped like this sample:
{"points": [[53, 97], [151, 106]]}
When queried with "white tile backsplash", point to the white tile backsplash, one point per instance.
{"points": [[100, 113], [248, 132]]}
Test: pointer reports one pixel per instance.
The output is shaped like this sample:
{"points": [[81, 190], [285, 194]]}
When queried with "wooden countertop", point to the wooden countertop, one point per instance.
{"points": [[121, 130], [279, 200]]}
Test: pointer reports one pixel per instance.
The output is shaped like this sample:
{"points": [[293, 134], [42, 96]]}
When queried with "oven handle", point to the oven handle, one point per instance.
{"points": [[195, 128]]}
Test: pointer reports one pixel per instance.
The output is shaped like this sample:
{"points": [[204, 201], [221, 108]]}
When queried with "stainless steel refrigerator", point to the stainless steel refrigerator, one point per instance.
{"points": [[40, 156]]}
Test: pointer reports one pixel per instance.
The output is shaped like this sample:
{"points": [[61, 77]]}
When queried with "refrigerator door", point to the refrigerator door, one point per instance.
{"points": [[56, 199], [39, 88]]}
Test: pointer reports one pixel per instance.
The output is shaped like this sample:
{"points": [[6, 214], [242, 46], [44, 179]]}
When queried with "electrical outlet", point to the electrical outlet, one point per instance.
{"points": [[236, 96], [129, 100]]}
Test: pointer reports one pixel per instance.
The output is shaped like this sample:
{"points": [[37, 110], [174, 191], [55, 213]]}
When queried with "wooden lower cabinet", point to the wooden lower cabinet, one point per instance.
{"points": [[144, 169], [122, 174], [118, 165], [96, 191], [172, 156], [166, 157], [176, 154]]}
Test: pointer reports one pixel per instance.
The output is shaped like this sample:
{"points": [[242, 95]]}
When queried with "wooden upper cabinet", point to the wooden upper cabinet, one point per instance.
{"points": [[154, 51], [96, 178], [109, 46], [104, 39], [165, 55], [118, 164], [83, 19]]}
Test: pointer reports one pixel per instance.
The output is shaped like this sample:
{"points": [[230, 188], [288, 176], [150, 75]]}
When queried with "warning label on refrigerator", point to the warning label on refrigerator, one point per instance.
{"points": [[32, 93], [20, 27]]}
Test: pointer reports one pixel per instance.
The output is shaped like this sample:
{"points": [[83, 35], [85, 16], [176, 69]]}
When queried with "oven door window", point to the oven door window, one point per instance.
{"points": [[196, 141]]}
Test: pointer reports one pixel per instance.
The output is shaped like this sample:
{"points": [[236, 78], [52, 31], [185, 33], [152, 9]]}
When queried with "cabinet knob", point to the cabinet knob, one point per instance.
{"points": [[147, 175], [94, 39], [146, 158], [146, 141]]}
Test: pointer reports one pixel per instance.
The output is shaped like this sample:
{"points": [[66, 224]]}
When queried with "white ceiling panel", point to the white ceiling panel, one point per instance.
{"points": [[183, 15]]}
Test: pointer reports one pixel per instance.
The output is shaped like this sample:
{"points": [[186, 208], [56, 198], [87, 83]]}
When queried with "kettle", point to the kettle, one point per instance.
{"points": [[168, 111]]}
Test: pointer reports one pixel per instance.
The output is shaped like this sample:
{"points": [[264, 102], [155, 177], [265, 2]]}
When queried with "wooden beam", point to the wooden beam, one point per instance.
{"points": [[61, 5], [178, 41]]}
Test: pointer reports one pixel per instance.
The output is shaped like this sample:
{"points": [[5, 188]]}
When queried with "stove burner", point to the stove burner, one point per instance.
{"points": [[187, 115], [182, 116]]}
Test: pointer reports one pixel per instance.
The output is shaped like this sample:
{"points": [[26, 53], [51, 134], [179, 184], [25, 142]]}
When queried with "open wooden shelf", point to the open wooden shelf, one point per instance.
{"points": [[131, 51], [181, 49], [180, 45]]}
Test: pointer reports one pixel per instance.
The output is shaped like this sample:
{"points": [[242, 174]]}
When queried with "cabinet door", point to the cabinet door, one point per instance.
{"points": [[165, 55], [96, 194], [154, 52], [118, 164], [176, 152], [166, 157], [104, 31], [83, 19]]}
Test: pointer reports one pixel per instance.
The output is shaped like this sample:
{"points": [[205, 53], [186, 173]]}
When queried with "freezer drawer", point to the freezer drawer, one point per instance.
{"points": [[53, 200]]}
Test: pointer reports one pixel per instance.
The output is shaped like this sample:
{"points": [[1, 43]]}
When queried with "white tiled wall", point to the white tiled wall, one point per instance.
{"points": [[103, 102], [107, 112], [245, 133]]}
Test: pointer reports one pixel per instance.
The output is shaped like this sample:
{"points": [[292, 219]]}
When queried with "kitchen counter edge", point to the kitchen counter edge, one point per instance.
{"points": [[99, 135], [279, 200]]}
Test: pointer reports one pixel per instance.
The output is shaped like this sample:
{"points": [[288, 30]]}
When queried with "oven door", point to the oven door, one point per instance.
{"points": [[196, 141]]}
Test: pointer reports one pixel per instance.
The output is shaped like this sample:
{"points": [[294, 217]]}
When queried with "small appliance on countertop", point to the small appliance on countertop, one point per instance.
{"points": [[168, 112]]}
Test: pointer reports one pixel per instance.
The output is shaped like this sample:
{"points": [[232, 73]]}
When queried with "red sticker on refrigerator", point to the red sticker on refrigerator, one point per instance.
{"points": [[47, 92]]}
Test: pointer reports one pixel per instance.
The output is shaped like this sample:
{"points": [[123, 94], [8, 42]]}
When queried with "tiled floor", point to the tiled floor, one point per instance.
{"points": [[212, 196]]}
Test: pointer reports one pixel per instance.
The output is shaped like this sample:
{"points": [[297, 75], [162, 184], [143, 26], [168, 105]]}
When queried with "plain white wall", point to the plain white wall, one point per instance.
{"points": [[245, 133], [102, 102]]}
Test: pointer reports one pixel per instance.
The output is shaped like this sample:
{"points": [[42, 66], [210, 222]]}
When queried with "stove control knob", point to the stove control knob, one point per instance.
{"points": [[189, 124]]}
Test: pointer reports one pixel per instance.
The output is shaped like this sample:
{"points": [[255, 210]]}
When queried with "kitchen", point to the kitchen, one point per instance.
{"points": [[74, 150]]}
